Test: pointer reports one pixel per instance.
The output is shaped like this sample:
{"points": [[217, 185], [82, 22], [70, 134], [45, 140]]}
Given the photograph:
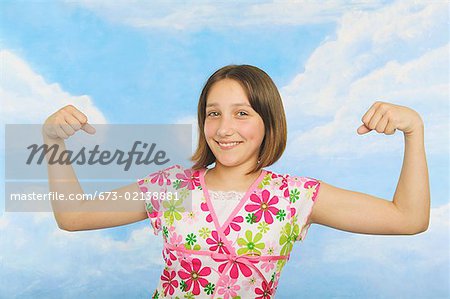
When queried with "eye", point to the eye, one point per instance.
{"points": [[212, 114], [242, 113]]}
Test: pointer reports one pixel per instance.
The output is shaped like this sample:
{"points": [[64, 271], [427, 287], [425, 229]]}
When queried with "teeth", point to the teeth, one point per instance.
{"points": [[228, 144]]}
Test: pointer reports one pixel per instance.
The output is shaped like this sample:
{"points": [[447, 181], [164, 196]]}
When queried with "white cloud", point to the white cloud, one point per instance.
{"points": [[27, 98], [213, 14], [396, 54], [426, 250], [32, 245]]}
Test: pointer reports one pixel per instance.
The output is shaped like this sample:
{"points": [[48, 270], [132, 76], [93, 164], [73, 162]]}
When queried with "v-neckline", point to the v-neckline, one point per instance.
{"points": [[238, 207]]}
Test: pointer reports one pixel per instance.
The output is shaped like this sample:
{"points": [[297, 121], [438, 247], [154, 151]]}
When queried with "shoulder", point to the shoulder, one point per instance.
{"points": [[293, 181]]}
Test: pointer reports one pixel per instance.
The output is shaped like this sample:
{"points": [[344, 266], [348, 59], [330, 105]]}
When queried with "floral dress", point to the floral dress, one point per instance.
{"points": [[243, 257]]}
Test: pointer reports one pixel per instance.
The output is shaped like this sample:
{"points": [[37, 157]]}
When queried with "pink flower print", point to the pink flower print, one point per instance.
{"points": [[265, 291], [184, 256], [190, 179], [142, 188], [168, 256], [236, 267], [291, 212], [205, 208], [249, 283], [311, 187], [284, 186], [276, 183], [274, 175], [270, 248], [193, 275], [234, 225], [295, 181], [227, 287], [160, 177], [268, 265], [176, 239], [263, 206], [169, 283], [191, 217], [217, 243]]}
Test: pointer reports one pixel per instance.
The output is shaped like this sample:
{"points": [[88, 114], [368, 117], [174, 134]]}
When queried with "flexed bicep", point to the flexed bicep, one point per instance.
{"points": [[359, 213]]}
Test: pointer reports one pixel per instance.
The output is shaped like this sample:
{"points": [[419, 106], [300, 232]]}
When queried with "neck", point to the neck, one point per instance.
{"points": [[233, 176]]}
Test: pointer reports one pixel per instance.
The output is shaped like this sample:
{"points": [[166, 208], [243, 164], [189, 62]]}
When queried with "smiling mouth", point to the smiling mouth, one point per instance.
{"points": [[227, 145]]}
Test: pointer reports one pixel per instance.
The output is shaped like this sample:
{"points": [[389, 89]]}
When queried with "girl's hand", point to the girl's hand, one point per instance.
{"points": [[65, 122], [386, 118]]}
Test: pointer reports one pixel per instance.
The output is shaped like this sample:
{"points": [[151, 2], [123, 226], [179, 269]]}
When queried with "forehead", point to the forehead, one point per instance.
{"points": [[226, 92]]}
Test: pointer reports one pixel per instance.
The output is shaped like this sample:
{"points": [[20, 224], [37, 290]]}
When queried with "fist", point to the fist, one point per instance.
{"points": [[65, 122], [387, 118]]}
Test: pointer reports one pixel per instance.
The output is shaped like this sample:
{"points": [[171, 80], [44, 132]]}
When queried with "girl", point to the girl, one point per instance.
{"points": [[244, 219]]}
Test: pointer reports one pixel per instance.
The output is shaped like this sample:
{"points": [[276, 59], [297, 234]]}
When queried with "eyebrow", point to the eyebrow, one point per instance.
{"points": [[234, 105]]}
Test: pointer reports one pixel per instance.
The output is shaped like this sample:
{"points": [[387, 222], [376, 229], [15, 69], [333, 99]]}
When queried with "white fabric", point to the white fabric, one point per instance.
{"points": [[221, 201]]}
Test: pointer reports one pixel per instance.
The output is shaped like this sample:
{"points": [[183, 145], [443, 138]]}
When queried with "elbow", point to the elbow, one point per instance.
{"points": [[65, 226], [418, 229]]}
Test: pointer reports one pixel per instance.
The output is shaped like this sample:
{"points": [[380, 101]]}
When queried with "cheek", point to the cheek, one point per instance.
{"points": [[209, 130]]}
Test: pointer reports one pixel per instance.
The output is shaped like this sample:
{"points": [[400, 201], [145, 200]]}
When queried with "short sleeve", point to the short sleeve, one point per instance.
{"points": [[154, 185], [303, 193]]}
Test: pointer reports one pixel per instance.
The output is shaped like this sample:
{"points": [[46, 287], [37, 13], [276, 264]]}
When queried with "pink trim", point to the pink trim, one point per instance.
{"points": [[245, 198], [248, 260], [216, 255], [239, 205], [309, 213]]}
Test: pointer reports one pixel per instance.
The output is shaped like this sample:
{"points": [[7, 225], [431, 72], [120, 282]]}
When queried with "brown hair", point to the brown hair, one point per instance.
{"points": [[264, 98]]}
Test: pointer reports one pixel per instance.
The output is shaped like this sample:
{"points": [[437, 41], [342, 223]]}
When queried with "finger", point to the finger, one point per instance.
{"points": [[390, 128], [363, 130], [73, 122], [381, 125], [88, 129], [368, 115], [67, 128], [81, 117], [60, 132], [377, 116]]}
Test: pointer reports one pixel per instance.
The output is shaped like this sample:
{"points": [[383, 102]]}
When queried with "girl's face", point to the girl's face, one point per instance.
{"points": [[233, 130]]}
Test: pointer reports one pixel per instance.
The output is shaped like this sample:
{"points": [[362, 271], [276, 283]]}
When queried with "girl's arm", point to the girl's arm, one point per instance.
{"points": [[83, 215], [409, 212]]}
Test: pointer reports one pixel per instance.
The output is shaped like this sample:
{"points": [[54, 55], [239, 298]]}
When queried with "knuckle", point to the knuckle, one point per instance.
{"points": [[83, 119], [76, 126]]}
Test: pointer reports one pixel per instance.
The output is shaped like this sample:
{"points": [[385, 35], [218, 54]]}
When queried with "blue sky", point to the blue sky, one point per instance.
{"points": [[132, 62]]}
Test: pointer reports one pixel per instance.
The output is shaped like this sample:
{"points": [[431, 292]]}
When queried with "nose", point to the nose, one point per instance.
{"points": [[226, 128]]}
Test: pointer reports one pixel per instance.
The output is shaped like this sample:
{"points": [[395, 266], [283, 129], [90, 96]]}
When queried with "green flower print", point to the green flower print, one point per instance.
{"points": [[209, 289], [294, 195], [191, 239], [280, 215], [250, 218], [165, 231], [184, 193], [176, 184], [190, 247], [183, 285], [265, 181], [289, 234], [250, 244], [173, 210], [204, 232], [149, 207], [263, 227], [189, 295]]}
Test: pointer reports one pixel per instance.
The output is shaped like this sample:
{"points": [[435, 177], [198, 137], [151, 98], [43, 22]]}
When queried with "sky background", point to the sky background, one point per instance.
{"points": [[133, 62]]}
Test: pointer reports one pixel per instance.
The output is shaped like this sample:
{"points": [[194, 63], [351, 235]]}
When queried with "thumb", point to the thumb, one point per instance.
{"points": [[363, 130], [88, 129]]}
